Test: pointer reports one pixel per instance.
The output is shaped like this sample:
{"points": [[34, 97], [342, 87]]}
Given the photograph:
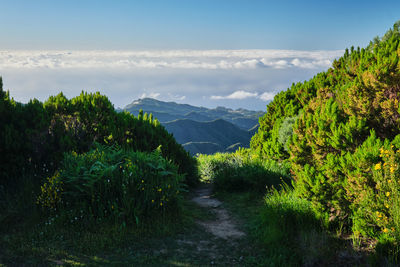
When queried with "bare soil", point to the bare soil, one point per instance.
{"points": [[223, 226]]}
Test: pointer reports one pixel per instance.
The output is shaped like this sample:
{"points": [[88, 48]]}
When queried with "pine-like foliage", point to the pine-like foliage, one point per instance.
{"points": [[34, 136], [344, 117]]}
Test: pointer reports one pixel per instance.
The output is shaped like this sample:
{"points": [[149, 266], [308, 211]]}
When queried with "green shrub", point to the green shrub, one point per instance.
{"points": [[241, 171], [109, 183], [338, 112], [36, 135]]}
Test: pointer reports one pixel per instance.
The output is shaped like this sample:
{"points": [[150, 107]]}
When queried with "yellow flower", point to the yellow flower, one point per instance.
{"points": [[387, 206], [142, 181], [159, 189], [112, 206], [387, 194], [378, 166], [391, 169], [169, 186], [392, 229], [389, 181], [143, 189], [161, 204], [152, 201], [385, 230]]}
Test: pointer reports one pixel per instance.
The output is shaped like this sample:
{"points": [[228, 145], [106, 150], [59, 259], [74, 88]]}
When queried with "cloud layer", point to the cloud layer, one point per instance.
{"points": [[231, 78], [178, 59]]}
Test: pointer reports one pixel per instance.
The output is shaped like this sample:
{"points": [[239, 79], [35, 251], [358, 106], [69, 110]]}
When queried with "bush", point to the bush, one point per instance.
{"points": [[339, 111], [114, 184], [36, 135], [241, 171]]}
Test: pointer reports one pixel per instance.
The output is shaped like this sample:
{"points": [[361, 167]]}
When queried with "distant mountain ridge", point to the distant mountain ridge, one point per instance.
{"points": [[199, 129], [169, 111]]}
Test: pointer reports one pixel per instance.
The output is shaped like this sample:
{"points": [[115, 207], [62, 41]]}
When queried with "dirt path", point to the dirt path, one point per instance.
{"points": [[223, 226]]}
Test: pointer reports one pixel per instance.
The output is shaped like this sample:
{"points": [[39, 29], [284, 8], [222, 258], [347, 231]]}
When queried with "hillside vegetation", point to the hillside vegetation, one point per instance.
{"points": [[340, 132], [78, 169], [319, 185]]}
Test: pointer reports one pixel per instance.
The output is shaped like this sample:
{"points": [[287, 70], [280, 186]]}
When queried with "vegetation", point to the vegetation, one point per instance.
{"points": [[241, 171], [77, 173], [108, 183], [324, 165], [36, 134], [343, 144]]}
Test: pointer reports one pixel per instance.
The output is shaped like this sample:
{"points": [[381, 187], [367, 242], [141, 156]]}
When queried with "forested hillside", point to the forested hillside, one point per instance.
{"points": [[340, 131], [202, 130], [170, 111], [220, 133]]}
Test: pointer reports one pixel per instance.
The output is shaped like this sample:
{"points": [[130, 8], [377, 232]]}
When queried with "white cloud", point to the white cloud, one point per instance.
{"points": [[176, 59], [267, 96], [235, 95], [149, 95]]}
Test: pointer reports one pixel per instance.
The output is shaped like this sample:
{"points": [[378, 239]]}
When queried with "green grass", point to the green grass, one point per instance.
{"points": [[288, 232], [176, 241]]}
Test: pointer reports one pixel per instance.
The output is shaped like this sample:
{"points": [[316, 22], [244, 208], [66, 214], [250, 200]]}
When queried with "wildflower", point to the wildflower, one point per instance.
{"points": [[142, 188], [392, 229], [389, 181], [387, 194], [387, 206], [378, 166], [159, 189], [391, 169], [385, 230], [161, 204], [152, 201], [142, 181]]}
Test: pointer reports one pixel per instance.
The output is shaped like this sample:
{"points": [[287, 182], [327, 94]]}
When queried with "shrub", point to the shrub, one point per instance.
{"points": [[109, 183], [241, 171], [36, 135]]}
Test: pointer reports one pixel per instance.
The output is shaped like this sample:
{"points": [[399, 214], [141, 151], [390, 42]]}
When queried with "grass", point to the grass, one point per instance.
{"points": [[288, 232], [177, 241]]}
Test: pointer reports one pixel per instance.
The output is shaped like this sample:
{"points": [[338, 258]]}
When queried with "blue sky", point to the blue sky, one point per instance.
{"points": [[186, 25]]}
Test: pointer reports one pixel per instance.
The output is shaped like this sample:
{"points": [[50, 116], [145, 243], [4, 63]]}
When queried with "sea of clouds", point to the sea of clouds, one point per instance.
{"points": [[232, 78]]}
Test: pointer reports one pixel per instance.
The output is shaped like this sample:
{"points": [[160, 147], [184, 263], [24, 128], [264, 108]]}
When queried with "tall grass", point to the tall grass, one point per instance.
{"points": [[290, 230]]}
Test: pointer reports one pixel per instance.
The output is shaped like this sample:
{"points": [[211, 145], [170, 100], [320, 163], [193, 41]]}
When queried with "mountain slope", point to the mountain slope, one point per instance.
{"points": [[199, 129], [220, 133], [169, 111]]}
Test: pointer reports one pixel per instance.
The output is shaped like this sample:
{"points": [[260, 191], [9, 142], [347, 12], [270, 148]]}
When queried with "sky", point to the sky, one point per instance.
{"points": [[233, 53]]}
